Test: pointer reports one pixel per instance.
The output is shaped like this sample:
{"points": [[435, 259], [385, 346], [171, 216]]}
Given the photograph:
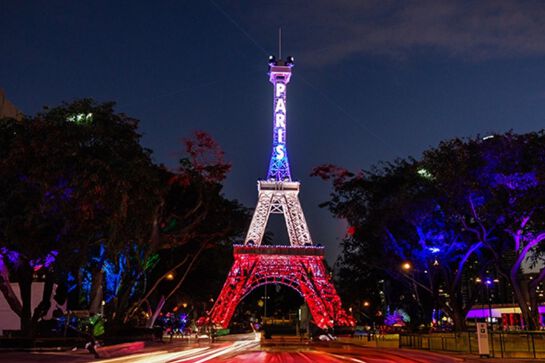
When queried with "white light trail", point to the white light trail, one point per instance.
{"points": [[349, 358], [240, 345], [156, 357]]}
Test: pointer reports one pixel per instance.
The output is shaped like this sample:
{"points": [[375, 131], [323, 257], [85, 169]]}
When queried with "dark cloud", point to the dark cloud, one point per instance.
{"points": [[330, 31]]}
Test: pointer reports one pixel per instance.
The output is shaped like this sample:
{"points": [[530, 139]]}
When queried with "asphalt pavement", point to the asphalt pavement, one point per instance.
{"points": [[246, 349]]}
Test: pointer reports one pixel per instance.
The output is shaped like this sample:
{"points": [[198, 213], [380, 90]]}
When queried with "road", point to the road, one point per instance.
{"points": [[251, 351]]}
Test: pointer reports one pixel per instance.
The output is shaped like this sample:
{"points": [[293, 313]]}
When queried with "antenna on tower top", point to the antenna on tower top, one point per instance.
{"points": [[279, 43]]}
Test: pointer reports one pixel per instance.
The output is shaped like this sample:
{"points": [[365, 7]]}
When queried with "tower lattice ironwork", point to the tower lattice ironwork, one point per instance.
{"points": [[299, 265]]}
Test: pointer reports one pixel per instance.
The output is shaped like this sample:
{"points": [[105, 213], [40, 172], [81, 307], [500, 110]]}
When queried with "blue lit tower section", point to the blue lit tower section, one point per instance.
{"points": [[279, 76]]}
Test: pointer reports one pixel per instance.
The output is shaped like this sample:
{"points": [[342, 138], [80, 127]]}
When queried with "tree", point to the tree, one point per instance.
{"points": [[83, 205], [476, 200], [195, 216], [75, 180], [396, 217], [496, 186]]}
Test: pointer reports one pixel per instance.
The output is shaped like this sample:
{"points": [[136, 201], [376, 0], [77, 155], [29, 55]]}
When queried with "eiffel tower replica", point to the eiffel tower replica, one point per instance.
{"points": [[299, 265]]}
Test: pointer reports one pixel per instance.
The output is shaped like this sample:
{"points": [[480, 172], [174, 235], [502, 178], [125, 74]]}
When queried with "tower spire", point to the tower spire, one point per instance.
{"points": [[280, 43], [279, 76]]}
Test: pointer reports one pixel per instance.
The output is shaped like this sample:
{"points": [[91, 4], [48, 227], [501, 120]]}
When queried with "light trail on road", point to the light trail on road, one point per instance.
{"points": [[157, 357], [194, 355], [240, 350], [237, 346]]}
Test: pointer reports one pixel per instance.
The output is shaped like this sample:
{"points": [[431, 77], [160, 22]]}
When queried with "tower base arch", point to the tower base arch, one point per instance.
{"points": [[301, 268]]}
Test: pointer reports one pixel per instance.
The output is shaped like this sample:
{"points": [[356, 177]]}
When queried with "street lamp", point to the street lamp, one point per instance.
{"points": [[487, 283], [406, 266]]}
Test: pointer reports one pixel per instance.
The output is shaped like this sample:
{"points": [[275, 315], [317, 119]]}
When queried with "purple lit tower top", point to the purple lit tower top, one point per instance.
{"points": [[279, 75]]}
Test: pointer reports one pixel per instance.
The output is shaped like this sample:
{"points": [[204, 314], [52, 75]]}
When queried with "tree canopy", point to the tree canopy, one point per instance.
{"points": [[469, 210], [84, 207]]}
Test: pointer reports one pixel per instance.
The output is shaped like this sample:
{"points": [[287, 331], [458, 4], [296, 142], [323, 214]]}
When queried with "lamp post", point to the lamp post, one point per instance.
{"points": [[408, 270], [487, 283]]}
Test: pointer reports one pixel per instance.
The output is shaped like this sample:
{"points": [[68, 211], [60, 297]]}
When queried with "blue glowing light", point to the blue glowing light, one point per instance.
{"points": [[279, 166], [516, 181]]}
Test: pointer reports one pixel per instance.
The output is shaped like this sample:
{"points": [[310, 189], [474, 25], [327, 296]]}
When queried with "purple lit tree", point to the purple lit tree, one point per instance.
{"points": [[476, 200], [74, 178], [495, 187], [398, 217]]}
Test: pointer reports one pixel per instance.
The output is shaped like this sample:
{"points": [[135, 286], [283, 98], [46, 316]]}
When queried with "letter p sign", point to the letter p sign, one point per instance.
{"points": [[280, 89]]}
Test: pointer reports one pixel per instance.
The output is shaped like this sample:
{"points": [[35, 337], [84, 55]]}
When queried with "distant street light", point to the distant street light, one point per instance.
{"points": [[169, 276], [487, 283], [366, 304], [406, 266]]}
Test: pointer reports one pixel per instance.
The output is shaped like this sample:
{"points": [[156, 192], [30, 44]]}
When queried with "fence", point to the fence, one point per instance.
{"points": [[374, 341], [501, 344]]}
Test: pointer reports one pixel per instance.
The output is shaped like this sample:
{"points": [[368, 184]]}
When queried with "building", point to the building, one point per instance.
{"points": [[8, 109]]}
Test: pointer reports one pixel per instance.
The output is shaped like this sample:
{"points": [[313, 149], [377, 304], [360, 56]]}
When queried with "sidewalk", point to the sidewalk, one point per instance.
{"points": [[464, 357], [475, 358]]}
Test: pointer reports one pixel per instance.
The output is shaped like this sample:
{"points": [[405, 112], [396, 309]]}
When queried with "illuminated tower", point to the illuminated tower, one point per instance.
{"points": [[279, 75], [279, 194], [299, 265]]}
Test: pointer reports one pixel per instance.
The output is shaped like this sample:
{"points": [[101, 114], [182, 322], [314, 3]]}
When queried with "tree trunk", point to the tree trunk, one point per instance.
{"points": [[532, 296], [524, 308], [134, 309], [96, 291], [25, 286], [458, 313], [7, 290], [151, 321], [45, 304], [534, 309], [163, 299], [121, 306], [459, 320]]}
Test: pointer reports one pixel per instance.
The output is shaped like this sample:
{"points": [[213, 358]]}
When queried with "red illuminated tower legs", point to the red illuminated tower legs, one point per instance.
{"points": [[299, 265]]}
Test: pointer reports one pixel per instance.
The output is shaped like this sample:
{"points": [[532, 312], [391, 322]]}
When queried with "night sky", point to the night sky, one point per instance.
{"points": [[373, 80]]}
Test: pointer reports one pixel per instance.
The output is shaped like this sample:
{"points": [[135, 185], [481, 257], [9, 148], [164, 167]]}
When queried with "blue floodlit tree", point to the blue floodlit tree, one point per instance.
{"points": [[495, 188], [477, 200]]}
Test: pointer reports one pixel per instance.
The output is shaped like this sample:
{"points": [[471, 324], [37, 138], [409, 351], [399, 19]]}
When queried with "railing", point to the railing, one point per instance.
{"points": [[279, 250], [372, 340], [501, 344]]}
